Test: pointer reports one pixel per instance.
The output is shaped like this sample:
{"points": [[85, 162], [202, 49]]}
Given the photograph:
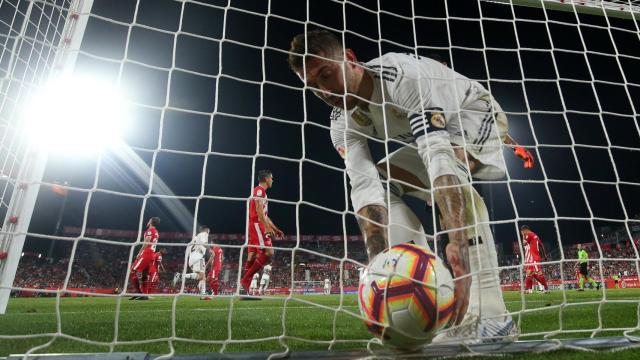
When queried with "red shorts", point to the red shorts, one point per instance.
{"points": [[152, 276], [143, 262], [213, 273], [258, 239], [532, 268]]}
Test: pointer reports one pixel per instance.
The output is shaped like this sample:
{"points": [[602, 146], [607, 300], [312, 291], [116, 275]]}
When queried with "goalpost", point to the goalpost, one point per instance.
{"points": [[41, 39]]}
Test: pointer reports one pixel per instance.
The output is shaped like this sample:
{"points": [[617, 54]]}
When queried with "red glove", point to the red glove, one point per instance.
{"points": [[3, 255], [525, 155]]}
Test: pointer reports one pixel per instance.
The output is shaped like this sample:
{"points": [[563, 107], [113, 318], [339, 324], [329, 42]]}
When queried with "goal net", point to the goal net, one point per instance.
{"points": [[211, 101]]}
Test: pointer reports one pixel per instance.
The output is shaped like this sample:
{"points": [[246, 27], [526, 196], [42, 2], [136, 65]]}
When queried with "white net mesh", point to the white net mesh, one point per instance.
{"points": [[205, 81]]}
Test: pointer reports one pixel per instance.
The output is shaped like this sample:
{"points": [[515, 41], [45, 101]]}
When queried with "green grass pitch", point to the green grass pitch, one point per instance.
{"points": [[256, 325]]}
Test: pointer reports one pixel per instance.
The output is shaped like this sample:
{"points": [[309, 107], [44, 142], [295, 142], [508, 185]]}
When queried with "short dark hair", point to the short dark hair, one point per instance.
{"points": [[317, 41], [524, 227], [154, 221], [263, 175], [202, 228]]}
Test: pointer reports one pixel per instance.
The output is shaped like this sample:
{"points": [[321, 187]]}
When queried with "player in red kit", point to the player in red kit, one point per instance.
{"points": [[260, 230], [152, 276], [215, 265], [533, 247], [144, 259]]}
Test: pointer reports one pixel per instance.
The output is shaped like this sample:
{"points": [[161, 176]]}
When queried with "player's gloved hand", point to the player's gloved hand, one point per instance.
{"points": [[279, 234], [525, 155], [459, 260]]}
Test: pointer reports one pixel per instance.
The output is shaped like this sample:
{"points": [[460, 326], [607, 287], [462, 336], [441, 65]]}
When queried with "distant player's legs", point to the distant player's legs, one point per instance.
{"points": [[259, 263], [542, 280], [140, 264], [257, 237], [213, 281]]}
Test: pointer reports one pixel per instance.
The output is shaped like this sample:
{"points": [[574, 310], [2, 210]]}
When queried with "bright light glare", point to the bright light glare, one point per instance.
{"points": [[77, 115]]}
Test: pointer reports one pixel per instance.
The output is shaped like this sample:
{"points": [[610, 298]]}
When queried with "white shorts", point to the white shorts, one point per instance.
{"points": [[254, 284], [484, 127], [196, 262]]}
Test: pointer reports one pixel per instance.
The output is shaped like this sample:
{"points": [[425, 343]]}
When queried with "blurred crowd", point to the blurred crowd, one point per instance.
{"points": [[304, 263]]}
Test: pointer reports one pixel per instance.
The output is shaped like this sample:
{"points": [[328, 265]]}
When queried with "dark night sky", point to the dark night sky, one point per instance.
{"points": [[232, 86]]}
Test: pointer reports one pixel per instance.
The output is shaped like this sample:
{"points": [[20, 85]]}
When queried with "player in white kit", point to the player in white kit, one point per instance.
{"points": [[197, 249], [327, 286], [253, 287], [264, 280], [451, 129]]}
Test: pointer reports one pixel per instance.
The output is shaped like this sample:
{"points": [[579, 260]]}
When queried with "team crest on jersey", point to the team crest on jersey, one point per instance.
{"points": [[342, 151], [360, 118], [437, 120]]}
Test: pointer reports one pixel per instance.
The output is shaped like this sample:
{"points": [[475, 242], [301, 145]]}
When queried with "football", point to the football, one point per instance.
{"points": [[406, 295]]}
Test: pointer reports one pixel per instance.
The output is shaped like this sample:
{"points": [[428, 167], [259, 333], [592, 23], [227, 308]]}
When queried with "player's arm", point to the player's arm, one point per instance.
{"points": [[367, 193], [525, 155], [428, 122], [262, 217]]}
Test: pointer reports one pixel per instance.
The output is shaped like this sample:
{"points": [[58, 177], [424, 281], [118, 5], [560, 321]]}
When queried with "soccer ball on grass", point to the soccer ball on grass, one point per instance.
{"points": [[406, 295]]}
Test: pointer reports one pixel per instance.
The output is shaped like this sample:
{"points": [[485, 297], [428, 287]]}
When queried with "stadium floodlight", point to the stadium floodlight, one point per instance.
{"points": [[76, 115]]}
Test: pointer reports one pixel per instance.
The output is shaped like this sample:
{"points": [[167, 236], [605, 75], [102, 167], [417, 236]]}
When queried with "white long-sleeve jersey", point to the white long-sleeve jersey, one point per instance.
{"points": [[426, 105], [199, 243]]}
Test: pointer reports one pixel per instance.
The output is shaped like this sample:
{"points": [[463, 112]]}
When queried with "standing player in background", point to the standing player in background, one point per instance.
{"points": [[532, 248], [152, 277], [616, 280], [451, 125], [583, 269], [327, 286], [253, 286], [197, 250], [264, 280], [143, 261], [260, 229], [215, 265]]}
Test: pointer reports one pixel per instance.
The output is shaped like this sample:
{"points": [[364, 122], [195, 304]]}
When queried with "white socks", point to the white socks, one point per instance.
{"points": [[202, 287]]}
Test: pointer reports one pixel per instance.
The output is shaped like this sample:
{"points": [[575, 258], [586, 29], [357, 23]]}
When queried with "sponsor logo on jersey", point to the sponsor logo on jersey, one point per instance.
{"points": [[360, 118]]}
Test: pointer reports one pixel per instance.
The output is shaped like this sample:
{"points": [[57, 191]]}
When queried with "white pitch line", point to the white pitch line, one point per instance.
{"points": [[168, 310]]}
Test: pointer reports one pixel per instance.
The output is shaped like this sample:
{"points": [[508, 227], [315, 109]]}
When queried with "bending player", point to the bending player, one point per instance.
{"points": [[485, 301], [143, 261], [261, 229], [197, 250], [532, 249], [215, 265], [450, 124], [264, 279]]}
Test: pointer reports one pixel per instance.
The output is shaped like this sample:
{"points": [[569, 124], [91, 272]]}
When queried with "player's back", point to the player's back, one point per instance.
{"points": [[216, 252], [533, 248], [259, 193], [445, 87]]}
